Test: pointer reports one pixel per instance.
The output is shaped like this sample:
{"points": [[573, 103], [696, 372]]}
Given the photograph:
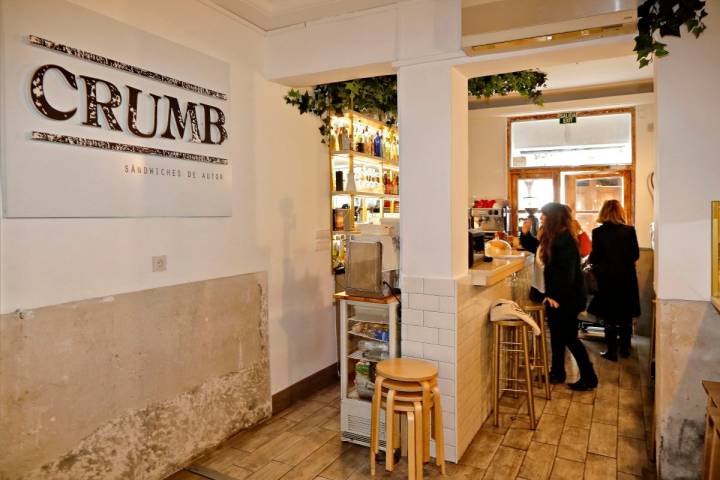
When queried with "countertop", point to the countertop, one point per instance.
{"points": [[485, 274]]}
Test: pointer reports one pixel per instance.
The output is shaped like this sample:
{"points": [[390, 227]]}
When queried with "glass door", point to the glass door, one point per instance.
{"points": [[586, 192], [529, 192]]}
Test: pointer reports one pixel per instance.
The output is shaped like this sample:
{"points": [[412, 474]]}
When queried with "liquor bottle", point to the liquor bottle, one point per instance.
{"points": [[344, 139], [377, 151]]}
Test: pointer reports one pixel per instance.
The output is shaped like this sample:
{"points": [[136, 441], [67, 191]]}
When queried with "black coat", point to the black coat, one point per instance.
{"points": [[614, 253], [564, 282]]}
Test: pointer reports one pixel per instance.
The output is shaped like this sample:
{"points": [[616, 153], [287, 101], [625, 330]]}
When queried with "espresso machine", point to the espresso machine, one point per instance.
{"points": [[490, 220], [483, 224]]}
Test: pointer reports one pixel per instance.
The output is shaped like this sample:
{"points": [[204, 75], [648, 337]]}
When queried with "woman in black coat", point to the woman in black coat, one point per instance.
{"points": [[564, 291], [613, 258]]}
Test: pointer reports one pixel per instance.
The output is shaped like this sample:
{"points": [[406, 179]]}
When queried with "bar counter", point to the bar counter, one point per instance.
{"points": [[486, 274]]}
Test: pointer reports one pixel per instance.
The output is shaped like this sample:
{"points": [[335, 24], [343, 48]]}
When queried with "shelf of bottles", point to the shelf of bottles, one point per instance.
{"points": [[365, 178]]}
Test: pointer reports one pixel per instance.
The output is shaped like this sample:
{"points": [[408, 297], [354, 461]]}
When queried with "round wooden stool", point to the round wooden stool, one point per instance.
{"points": [[412, 382], [511, 341]]}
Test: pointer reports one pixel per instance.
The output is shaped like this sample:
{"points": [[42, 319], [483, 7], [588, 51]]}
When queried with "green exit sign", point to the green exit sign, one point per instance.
{"points": [[568, 117]]}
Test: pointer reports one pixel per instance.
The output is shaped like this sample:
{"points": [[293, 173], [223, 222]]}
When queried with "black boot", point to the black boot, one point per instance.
{"points": [[625, 336], [611, 341], [588, 379]]}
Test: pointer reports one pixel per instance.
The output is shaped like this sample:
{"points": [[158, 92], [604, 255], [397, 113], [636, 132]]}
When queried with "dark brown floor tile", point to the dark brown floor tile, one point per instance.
{"points": [[538, 461], [631, 424], [605, 412], [632, 456], [598, 467], [573, 443], [300, 450], [350, 461], [603, 440], [249, 440], [271, 471], [557, 406], [567, 470], [518, 438], [481, 449], [505, 464], [579, 415], [549, 429], [314, 464]]}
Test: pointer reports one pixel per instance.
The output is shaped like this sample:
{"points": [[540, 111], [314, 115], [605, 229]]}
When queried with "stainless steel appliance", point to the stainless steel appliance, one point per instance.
{"points": [[490, 220]]}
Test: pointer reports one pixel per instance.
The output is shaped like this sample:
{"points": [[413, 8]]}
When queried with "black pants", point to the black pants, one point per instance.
{"points": [[623, 327], [564, 333]]}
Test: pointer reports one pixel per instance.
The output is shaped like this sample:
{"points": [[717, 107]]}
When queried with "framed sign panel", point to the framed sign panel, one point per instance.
{"points": [[101, 119]]}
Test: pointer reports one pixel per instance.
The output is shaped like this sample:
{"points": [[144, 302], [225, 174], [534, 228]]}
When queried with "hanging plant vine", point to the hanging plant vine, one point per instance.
{"points": [[665, 17], [525, 82], [377, 96]]}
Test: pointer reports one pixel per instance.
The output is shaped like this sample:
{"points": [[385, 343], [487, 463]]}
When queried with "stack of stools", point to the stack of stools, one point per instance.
{"points": [[538, 348], [405, 386], [511, 351]]}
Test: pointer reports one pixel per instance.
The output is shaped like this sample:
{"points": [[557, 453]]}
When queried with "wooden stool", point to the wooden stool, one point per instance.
{"points": [[510, 336], [411, 382], [711, 463], [711, 454], [538, 352]]}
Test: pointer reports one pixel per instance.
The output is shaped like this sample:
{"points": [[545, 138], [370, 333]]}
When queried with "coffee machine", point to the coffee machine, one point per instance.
{"points": [[490, 220]]}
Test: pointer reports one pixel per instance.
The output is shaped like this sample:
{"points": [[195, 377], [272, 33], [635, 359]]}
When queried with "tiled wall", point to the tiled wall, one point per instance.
{"points": [[445, 321], [428, 333]]}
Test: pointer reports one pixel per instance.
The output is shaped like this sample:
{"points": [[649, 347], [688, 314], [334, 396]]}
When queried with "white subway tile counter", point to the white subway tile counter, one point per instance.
{"points": [[445, 321]]}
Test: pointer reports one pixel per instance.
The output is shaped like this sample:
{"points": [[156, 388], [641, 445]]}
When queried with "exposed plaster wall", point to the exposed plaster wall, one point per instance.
{"points": [[132, 386]]}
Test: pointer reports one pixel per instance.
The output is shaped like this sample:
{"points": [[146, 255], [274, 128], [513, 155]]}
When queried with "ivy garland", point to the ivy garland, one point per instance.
{"points": [[526, 82], [665, 17], [377, 96]]}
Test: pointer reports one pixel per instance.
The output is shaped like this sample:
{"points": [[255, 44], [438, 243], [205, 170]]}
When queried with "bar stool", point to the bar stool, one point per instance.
{"points": [[538, 351], [407, 382], [511, 340]]}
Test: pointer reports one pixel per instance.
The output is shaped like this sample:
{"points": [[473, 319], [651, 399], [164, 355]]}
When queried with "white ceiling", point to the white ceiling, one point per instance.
{"points": [[596, 72], [274, 14]]}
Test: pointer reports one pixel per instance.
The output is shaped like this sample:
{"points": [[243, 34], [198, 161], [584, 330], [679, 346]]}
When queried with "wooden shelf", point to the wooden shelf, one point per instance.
{"points": [[372, 205], [364, 158]]}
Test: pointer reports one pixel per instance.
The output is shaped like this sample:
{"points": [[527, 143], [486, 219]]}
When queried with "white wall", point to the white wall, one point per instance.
{"points": [[279, 167], [487, 166], [688, 166], [488, 161]]}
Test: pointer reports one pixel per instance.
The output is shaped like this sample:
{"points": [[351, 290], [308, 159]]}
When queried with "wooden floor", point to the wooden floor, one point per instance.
{"points": [[593, 435]]}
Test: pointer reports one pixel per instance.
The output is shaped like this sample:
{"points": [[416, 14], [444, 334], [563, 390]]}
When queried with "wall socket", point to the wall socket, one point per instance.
{"points": [[159, 264]]}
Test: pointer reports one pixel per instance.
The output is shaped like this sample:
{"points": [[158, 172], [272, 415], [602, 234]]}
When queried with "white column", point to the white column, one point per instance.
{"points": [[432, 101]]}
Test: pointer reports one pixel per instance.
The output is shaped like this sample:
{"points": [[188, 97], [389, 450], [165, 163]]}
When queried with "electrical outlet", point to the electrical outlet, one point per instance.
{"points": [[159, 264]]}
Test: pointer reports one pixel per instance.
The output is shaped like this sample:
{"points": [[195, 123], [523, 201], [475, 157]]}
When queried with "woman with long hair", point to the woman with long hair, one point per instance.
{"points": [[563, 289], [613, 259]]}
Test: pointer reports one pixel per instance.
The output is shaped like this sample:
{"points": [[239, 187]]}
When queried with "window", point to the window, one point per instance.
{"points": [[580, 164], [593, 140]]}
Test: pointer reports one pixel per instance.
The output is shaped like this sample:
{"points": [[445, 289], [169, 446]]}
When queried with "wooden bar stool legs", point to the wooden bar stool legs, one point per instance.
{"points": [[510, 341], [438, 432], [539, 351]]}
